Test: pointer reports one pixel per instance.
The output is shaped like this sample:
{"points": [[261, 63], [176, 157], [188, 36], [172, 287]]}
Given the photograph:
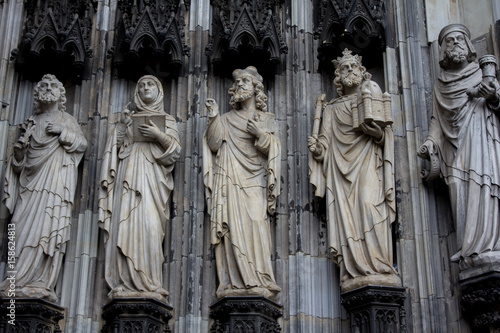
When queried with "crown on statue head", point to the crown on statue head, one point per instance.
{"points": [[347, 56]]}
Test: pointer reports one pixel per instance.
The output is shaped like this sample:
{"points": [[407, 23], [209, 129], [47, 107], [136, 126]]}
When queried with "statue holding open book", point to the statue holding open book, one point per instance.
{"points": [[351, 163], [135, 189]]}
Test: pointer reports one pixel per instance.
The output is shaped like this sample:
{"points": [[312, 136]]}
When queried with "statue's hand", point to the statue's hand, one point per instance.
{"points": [[54, 129], [125, 117], [372, 129], [20, 149], [489, 91], [319, 100], [314, 146], [254, 128], [150, 131], [212, 107]]}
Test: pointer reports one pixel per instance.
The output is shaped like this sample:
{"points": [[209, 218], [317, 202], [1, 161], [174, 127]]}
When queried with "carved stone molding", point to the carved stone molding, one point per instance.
{"points": [[30, 315], [481, 301], [149, 39], [354, 24], [56, 40], [376, 309], [246, 33], [247, 314], [138, 315]]}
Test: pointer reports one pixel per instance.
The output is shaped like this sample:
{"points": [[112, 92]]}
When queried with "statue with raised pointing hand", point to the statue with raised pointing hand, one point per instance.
{"points": [[241, 169]]}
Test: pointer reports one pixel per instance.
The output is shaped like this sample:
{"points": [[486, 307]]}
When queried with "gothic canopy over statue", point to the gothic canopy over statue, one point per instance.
{"points": [[246, 33], [149, 39], [56, 39], [358, 25]]}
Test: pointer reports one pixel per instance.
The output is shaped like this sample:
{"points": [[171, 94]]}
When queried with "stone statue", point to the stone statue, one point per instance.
{"points": [[40, 185], [464, 145], [134, 196], [241, 168], [351, 162]]}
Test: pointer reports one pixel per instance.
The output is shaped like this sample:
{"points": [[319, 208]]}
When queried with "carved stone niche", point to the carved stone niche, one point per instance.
{"points": [[481, 299], [246, 33], [55, 40], [30, 315], [138, 315], [376, 309], [354, 24], [245, 314], [149, 39]]}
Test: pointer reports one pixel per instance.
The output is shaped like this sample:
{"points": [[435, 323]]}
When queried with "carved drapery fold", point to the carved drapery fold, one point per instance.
{"points": [[246, 33], [149, 39], [56, 39], [354, 24]]}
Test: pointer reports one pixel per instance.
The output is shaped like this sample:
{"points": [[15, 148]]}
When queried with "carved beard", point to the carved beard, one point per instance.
{"points": [[242, 95], [47, 97], [351, 80], [457, 54]]}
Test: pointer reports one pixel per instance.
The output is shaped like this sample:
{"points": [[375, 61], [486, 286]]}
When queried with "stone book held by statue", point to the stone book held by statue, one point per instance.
{"points": [[141, 119]]}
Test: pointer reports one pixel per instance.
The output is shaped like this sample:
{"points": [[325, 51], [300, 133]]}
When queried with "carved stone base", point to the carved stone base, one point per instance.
{"points": [[137, 315], [376, 309], [245, 314], [481, 299], [29, 315]]}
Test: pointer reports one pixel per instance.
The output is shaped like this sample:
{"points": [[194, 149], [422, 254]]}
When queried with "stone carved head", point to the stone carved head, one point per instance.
{"points": [[247, 84], [49, 90], [455, 45], [148, 94], [349, 71]]}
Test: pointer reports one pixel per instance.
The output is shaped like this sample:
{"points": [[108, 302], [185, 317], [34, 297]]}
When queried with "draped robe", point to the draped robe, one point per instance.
{"points": [[356, 175], [39, 191], [242, 182], [465, 131], [134, 199]]}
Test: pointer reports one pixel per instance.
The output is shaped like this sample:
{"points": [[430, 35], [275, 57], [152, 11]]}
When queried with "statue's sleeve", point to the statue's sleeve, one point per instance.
{"points": [[109, 169], [389, 183], [317, 164], [270, 145], [11, 185], [212, 141], [215, 133], [173, 151], [72, 138]]}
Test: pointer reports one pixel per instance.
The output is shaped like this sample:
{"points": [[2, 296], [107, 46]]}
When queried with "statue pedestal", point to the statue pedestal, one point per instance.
{"points": [[29, 315], [248, 314], [376, 309], [481, 297], [136, 315]]}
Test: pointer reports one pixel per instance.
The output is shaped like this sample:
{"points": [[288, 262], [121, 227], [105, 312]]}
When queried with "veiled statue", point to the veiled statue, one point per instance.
{"points": [[241, 169], [463, 145], [134, 195], [351, 164], [40, 184]]}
